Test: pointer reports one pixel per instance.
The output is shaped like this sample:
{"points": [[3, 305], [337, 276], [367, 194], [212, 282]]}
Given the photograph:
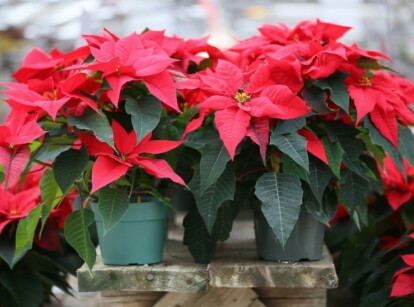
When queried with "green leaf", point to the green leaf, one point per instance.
{"points": [[200, 244], [224, 222], [281, 196], [377, 299], [113, 204], [25, 232], [313, 207], [294, 146], [353, 190], [378, 139], [7, 250], [7, 282], [316, 99], [353, 147], [291, 167], [319, 177], [145, 114], [209, 201], [49, 189], [290, 125], [69, 166], [30, 288], [406, 145], [98, 123], [335, 84], [369, 63], [49, 153], [373, 173], [77, 235], [334, 153], [214, 157]]}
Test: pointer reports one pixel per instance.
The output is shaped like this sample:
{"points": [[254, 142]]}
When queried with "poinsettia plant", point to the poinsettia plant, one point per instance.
{"points": [[291, 118], [101, 121], [376, 261]]}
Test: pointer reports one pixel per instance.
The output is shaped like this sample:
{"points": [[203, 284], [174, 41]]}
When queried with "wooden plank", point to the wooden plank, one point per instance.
{"points": [[292, 297], [235, 265], [130, 298], [177, 272], [239, 267], [225, 297]]}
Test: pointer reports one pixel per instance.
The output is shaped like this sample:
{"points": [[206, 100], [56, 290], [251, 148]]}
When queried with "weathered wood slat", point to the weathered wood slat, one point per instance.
{"points": [[239, 267], [235, 265], [214, 297], [130, 299], [177, 272], [292, 297]]}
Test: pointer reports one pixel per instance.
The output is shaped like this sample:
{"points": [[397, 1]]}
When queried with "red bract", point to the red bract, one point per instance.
{"points": [[18, 131], [243, 108], [17, 200], [131, 59], [404, 278], [379, 96], [111, 164], [40, 98], [398, 189]]}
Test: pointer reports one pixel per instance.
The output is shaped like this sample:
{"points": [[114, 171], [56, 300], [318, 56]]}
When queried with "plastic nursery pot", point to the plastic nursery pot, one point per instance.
{"points": [[139, 236], [305, 242]]}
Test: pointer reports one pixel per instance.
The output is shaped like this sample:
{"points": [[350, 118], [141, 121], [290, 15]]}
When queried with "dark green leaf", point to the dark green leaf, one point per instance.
{"points": [[113, 204], [281, 196], [25, 232], [319, 177], [353, 190], [145, 114], [224, 222], [98, 123], [30, 288], [49, 153], [200, 244], [334, 153], [69, 166], [77, 235], [406, 145], [7, 282], [209, 201], [294, 146], [313, 206], [7, 249], [214, 157], [353, 147], [316, 99], [290, 125], [335, 84], [373, 173], [291, 167], [378, 139], [377, 299]]}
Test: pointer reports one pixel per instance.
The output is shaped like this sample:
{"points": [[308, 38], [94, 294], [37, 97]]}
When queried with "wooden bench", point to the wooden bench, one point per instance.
{"points": [[235, 277]]}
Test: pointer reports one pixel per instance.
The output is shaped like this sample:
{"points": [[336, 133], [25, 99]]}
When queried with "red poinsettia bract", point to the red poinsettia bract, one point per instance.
{"points": [[398, 188], [243, 108], [111, 164]]}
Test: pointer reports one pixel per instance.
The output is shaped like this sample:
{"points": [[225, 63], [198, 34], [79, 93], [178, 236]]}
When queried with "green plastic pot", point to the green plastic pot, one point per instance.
{"points": [[305, 242], [139, 236]]}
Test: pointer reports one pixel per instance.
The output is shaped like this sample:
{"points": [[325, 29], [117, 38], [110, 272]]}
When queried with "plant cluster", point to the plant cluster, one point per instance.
{"points": [[286, 119]]}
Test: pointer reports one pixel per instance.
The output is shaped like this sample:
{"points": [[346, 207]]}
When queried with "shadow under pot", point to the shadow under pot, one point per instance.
{"points": [[139, 236], [305, 242]]}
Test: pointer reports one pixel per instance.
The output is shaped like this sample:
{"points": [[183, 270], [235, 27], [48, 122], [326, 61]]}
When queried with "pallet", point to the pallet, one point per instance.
{"points": [[234, 275]]}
